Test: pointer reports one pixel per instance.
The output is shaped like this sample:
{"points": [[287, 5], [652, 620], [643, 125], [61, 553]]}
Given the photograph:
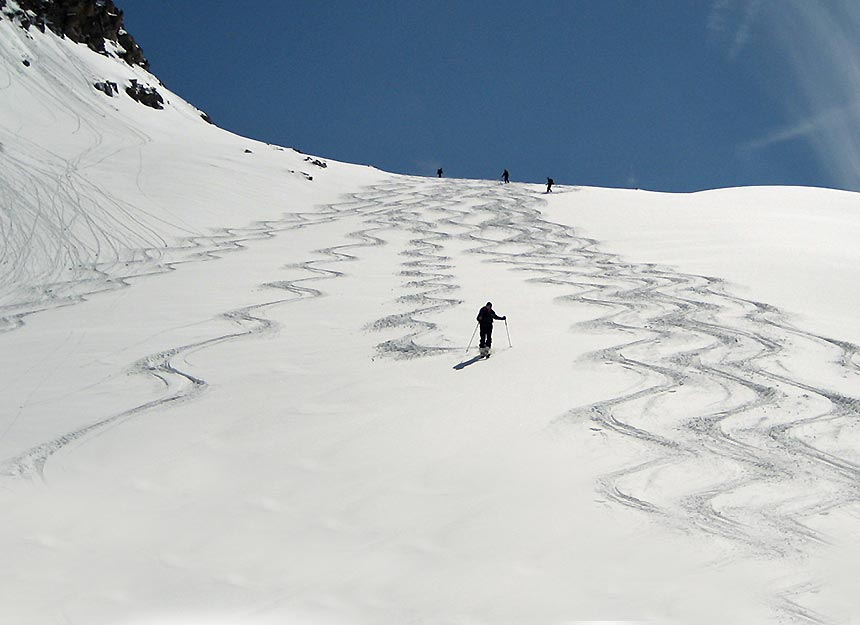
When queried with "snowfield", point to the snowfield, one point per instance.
{"points": [[793, 247], [236, 385]]}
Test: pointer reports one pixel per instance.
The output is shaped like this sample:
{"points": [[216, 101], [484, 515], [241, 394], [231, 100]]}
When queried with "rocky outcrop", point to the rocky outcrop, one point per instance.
{"points": [[90, 22], [97, 24], [107, 87], [148, 96]]}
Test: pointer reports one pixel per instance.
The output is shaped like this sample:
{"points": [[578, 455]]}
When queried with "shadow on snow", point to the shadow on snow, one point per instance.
{"points": [[466, 363]]}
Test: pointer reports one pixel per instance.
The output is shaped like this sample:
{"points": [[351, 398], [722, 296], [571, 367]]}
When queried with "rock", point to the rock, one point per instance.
{"points": [[107, 87], [90, 22], [148, 96]]}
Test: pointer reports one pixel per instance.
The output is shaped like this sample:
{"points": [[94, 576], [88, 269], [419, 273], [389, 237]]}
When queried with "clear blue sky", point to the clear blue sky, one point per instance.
{"points": [[674, 95]]}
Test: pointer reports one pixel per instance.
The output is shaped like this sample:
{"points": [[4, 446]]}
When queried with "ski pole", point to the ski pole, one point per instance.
{"points": [[509, 333], [473, 337]]}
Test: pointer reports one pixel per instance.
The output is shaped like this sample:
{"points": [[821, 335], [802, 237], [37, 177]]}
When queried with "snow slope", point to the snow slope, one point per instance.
{"points": [[230, 394], [792, 247], [91, 182]]}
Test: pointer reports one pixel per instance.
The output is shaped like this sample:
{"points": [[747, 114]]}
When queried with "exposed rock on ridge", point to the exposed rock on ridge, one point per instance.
{"points": [[90, 22], [148, 96], [99, 25]]}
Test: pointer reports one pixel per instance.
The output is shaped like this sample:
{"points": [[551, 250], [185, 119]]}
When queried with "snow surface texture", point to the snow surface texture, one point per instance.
{"points": [[296, 432]]}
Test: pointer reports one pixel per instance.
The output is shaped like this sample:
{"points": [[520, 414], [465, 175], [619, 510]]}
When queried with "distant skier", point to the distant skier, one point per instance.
{"points": [[506, 176], [439, 172], [549, 183], [485, 321]]}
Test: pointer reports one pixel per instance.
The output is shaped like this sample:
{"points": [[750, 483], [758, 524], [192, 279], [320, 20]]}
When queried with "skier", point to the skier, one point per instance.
{"points": [[549, 183], [485, 320], [505, 176], [439, 172]]}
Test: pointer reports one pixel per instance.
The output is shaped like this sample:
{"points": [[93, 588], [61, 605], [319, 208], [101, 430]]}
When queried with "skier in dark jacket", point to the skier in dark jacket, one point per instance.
{"points": [[485, 321], [506, 176], [549, 183]]}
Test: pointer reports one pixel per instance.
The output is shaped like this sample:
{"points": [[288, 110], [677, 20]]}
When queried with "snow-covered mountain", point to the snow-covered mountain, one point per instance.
{"points": [[238, 383], [91, 145]]}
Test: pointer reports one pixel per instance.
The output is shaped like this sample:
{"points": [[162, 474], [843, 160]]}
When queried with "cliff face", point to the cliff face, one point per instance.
{"points": [[84, 21]]}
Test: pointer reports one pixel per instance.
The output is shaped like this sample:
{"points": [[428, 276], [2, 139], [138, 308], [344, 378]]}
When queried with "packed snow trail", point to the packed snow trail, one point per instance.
{"points": [[743, 425]]}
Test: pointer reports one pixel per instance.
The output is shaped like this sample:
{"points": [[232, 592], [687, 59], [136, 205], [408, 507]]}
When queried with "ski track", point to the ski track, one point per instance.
{"points": [[687, 337]]}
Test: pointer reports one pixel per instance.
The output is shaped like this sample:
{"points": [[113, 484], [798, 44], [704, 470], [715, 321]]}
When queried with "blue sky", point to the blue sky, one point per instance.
{"points": [[673, 95]]}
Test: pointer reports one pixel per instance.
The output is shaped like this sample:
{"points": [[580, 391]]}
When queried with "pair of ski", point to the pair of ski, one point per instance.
{"points": [[485, 352]]}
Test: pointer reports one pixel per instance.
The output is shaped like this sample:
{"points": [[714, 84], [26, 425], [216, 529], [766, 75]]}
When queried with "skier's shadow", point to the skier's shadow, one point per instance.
{"points": [[466, 363]]}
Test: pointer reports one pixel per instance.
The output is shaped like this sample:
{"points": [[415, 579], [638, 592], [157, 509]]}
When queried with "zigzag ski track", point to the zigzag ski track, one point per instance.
{"points": [[745, 425]]}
